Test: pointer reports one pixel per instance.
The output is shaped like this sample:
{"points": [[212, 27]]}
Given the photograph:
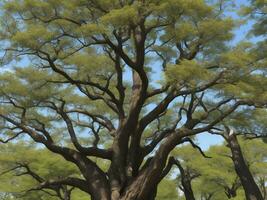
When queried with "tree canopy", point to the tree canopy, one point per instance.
{"points": [[113, 87]]}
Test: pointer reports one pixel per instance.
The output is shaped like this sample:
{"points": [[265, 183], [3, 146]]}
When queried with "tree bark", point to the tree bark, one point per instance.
{"points": [[250, 187], [146, 181]]}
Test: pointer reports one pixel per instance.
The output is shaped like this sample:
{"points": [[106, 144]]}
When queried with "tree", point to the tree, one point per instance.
{"points": [[167, 190], [253, 127], [187, 172], [254, 153], [87, 67], [27, 173], [217, 173]]}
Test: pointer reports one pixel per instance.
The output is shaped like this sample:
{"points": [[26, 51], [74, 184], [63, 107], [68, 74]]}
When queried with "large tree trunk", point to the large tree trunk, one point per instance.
{"points": [[250, 187], [148, 178]]}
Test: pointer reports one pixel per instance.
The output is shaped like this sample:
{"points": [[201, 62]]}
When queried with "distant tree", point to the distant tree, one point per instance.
{"points": [[167, 190], [250, 124], [79, 81], [216, 177], [28, 173], [208, 178], [183, 158], [255, 156]]}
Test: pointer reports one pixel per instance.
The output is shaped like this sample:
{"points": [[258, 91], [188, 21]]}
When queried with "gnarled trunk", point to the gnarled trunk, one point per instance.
{"points": [[250, 187]]}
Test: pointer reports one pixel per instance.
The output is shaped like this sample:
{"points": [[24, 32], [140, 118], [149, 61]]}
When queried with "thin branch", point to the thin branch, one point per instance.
{"points": [[187, 139], [11, 138]]}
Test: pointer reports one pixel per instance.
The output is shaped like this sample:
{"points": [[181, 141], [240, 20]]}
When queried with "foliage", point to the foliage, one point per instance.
{"points": [[79, 82], [217, 173]]}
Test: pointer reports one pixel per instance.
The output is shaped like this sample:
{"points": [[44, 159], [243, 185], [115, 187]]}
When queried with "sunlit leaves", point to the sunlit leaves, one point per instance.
{"points": [[187, 72], [257, 11], [80, 59], [120, 17]]}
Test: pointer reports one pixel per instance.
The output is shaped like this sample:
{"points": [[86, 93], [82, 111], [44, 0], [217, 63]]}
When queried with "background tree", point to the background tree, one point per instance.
{"points": [[213, 177], [251, 124], [28, 173], [167, 189], [255, 155], [216, 177], [86, 88]]}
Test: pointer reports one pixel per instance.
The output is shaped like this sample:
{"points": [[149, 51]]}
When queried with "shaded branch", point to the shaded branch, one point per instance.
{"points": [[195, 146], [11, 138]]}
